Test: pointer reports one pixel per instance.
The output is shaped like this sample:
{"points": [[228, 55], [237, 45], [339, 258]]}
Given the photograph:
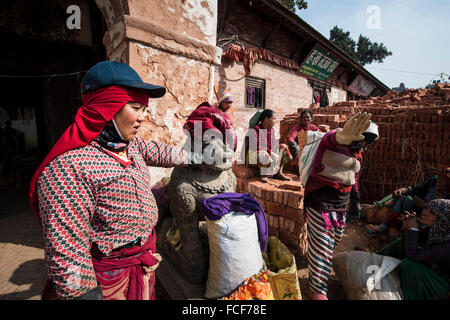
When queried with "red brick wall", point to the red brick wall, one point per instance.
{"points": [[414, 129], [285, 93], [282, 202]]}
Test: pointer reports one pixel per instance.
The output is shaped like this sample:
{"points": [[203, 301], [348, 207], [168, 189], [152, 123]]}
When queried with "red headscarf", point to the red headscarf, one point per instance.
{"points": [[211, 118], [98, 108]]}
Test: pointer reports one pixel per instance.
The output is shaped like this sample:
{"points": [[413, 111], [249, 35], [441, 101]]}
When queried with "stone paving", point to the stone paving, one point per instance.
{"points": [[22, 261], [23, 266]]}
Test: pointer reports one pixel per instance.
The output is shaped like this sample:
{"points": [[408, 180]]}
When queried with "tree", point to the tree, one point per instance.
{"points": [[292, 4], [342, 40], [365, 52]]}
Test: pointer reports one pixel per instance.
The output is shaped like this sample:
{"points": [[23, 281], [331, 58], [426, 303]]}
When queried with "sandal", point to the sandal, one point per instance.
{"points": [[281, 177]]}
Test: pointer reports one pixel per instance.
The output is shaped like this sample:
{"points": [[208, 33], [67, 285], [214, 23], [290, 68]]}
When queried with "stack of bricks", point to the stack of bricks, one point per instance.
{"points": [[292, 119], [414, 128], [282, 202]]}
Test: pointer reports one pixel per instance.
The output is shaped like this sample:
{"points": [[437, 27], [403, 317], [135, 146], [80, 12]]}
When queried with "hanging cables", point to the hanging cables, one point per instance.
{"points": [[403, 71], [44, 75]]}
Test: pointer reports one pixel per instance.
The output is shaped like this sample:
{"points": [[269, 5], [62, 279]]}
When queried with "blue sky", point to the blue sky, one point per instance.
{"points": [[416, 32]]}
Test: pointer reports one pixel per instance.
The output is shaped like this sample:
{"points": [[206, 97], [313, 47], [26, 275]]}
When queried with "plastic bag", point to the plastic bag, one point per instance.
{"points": [[368, 276], [308, 154], [282, 271], [235, 253]]}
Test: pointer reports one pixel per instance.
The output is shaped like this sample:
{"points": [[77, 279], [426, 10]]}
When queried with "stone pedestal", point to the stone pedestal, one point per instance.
{"points": [[175, 284]]}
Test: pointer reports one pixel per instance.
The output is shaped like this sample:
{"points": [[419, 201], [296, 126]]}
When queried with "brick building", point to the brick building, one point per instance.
{"points": [[182, 45], [269, 50], [169, 43]]}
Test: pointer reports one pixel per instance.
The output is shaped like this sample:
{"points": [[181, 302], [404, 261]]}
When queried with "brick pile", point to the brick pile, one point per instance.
{"points": [[282, 202], [414, 128]]}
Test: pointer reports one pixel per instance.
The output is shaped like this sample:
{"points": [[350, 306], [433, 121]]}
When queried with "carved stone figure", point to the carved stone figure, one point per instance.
{"points": [[182, 235]]}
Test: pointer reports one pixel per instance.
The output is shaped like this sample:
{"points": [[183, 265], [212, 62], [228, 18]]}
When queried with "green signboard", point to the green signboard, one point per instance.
{"points": [[319, 64]]}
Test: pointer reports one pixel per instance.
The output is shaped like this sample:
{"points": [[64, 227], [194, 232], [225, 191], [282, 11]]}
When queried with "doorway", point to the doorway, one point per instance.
{"points": [[42, 63]]}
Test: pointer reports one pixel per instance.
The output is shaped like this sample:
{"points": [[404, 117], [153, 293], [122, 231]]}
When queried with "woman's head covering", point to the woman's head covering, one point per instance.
{"points": [[440, 230], [254, 119], [259, 117], [114, 73], [226, 97], [370, 136], [211, 118], [106, 88]]}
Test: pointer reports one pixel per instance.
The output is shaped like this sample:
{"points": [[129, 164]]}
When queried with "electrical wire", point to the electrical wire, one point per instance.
{"points": [[421, 73], [42, 76]]}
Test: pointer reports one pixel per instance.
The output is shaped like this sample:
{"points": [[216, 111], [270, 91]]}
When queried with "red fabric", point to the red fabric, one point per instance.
{"points": [[111, 270], [211, 118], [127, 263], [329, 142], [248, 57], [293, 133], [98, 107], [265, 145]]}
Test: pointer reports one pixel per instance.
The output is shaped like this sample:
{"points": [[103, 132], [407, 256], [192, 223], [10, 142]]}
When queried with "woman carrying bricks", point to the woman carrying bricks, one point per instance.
{"points": [[92, 193], [305, 119], [260, 147], [327, 195]]}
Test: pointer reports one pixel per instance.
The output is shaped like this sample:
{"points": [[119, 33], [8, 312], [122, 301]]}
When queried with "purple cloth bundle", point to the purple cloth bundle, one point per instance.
{"points": [[216, 207]]}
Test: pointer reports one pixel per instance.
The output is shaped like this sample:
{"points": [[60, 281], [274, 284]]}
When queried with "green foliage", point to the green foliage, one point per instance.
{"points": [[292, 4], [365, 52], [342, 40]]}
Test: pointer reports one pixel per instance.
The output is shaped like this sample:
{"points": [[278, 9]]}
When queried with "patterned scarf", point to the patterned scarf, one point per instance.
{"points": [[440, 231], [110, 139]]}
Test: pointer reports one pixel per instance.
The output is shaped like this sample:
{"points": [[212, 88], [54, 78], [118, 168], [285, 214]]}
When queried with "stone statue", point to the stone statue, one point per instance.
{"points": [[182, 235]]}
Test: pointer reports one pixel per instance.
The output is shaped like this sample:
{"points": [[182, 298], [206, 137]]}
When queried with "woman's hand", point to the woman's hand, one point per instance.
{"points": [[354, 128], [398, 193], [409, 220]]}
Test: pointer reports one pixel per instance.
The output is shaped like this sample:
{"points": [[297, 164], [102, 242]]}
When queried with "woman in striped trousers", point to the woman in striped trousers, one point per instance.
{"points": [[327, 195], [321, 244]]}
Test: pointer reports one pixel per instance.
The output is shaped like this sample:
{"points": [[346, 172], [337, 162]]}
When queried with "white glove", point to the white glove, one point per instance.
{"points": [[353, 128]]}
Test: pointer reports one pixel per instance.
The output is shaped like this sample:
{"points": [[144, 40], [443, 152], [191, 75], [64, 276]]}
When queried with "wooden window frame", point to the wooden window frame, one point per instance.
{"points": [[251, 82]]}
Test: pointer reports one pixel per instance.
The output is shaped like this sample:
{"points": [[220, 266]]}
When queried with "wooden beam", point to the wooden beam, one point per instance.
{"points": [[299, 48], [264, 42]]}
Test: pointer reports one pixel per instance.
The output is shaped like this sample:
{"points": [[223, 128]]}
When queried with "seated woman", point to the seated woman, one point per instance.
{"points": [[260, 148], [412, 198], [425, 252], [305, 119]]}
